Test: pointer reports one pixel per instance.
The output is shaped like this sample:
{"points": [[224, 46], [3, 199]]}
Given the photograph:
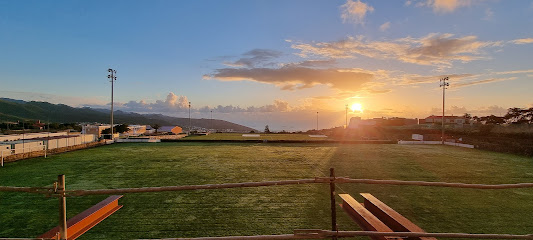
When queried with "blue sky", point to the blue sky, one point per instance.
{"points": [[271, 62]]}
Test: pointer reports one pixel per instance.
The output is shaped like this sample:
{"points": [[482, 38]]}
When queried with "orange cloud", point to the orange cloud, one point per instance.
{"points": [[434, 49], [295, 77], [522, 41], [444, 6], [355, 11]]}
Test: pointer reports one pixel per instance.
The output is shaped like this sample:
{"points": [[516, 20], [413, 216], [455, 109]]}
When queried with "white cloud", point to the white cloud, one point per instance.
{"points": [[482, 81], [355, 11], [488, 14], [384, 26]]}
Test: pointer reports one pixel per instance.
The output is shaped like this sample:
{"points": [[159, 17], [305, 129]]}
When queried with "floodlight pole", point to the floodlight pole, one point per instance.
{"points": [[346, 124], [211, 119], [317, 122], [189, 118], [444, 84], [112, 78]]}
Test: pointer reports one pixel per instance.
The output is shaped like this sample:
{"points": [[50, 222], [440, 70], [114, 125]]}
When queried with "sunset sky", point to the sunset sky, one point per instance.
{"points": [[274, 62]]}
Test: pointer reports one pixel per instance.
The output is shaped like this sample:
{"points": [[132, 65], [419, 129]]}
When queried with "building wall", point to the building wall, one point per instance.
{"points": [[177, 130], [27, 147], [95, 129], [5, 150]]}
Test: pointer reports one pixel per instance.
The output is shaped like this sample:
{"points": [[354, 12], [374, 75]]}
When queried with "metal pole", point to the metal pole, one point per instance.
{"points": [[346, 124], [211, 119], [317, 121], [443, 84], [113, 78], [23, 148], [333, 205], [443, 98], [62, 207], [189, 118]]}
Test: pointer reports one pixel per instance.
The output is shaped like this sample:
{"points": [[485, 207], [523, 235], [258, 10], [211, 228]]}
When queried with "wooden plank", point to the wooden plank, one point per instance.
{"points": [[364, 218], [391, 218], [87, 219]]}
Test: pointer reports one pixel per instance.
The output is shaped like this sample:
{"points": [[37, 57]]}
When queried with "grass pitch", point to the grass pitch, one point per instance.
{"points": [[262, 136], [267, 210]]}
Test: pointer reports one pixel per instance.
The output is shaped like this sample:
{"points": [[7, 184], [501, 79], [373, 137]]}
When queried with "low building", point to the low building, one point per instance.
{"points": [[95, 129], [135, 130], [447, 120], [357, 122], [170, 129]]}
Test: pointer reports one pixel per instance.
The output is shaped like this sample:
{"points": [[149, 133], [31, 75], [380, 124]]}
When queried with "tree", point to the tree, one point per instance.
{"points": [[468, 117], [267, 130], [122, 128], [492, 120], [156, 126], [519, 115]]}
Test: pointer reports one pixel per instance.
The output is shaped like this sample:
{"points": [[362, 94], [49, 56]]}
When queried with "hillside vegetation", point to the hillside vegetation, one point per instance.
{"points": [[17, 110]]}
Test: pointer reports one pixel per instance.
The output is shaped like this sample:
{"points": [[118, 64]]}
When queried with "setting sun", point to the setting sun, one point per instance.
{"points": [[357, 107]]}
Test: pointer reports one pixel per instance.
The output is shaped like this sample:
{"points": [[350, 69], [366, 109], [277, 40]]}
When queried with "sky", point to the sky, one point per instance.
{"points": [[271, 62]]}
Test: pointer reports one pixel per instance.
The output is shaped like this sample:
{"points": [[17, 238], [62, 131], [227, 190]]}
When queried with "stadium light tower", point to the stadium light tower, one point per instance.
{"points": [[444, 84], [189, 118], [346, 124], [112, 76], [317, 122]]}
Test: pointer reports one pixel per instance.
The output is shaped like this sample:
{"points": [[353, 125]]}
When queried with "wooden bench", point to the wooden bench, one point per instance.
{"points": [[364, 218], [377, 216]]}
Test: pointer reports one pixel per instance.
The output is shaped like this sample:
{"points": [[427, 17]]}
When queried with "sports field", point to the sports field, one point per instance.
{"points": [[267, 210], [259, 136]]}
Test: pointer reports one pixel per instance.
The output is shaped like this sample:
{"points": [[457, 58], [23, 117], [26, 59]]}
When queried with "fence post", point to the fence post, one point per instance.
{"points": [[62, 208], [333, 207]]}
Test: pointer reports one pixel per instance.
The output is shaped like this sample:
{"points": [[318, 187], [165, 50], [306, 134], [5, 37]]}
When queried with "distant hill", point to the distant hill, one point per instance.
{"points": [[15, 110]]}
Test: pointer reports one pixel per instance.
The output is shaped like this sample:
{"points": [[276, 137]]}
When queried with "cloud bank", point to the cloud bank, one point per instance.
{"points": [[433, 49]]}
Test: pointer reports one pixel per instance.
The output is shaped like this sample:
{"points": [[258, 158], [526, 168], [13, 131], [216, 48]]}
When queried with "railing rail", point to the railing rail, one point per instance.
{"points": [[58, 191]]}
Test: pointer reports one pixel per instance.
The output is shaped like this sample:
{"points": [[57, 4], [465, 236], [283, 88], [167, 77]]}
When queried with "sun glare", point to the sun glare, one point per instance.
{"points": [[357, 107]]}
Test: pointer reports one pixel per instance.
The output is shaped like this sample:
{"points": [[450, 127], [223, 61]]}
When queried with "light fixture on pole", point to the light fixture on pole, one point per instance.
{"points": [[112, 76], [444, 84]]}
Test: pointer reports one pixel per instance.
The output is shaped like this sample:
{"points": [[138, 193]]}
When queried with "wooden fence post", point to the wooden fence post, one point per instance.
{"points": [[62, 207], [332, 197]]}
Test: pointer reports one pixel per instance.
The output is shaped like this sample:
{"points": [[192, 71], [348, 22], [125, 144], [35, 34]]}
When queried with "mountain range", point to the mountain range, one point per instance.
{"points": [[18, 110]]}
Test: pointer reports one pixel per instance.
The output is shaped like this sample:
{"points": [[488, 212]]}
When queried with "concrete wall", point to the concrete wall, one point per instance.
{"points": [[436, 143], [29, 146], [15, 137], [5, 150], [71, 141]]}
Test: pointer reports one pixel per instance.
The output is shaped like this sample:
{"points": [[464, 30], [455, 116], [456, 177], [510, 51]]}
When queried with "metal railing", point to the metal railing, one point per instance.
{"points": [[58, 190]]}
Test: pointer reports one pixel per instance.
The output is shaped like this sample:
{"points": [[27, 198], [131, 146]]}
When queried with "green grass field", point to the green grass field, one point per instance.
{"points": [[267, 210], [262, 136]]}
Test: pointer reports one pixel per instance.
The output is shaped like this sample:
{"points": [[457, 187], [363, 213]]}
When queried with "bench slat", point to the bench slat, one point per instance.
{"points": [[390, 217], [363, 217]]}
